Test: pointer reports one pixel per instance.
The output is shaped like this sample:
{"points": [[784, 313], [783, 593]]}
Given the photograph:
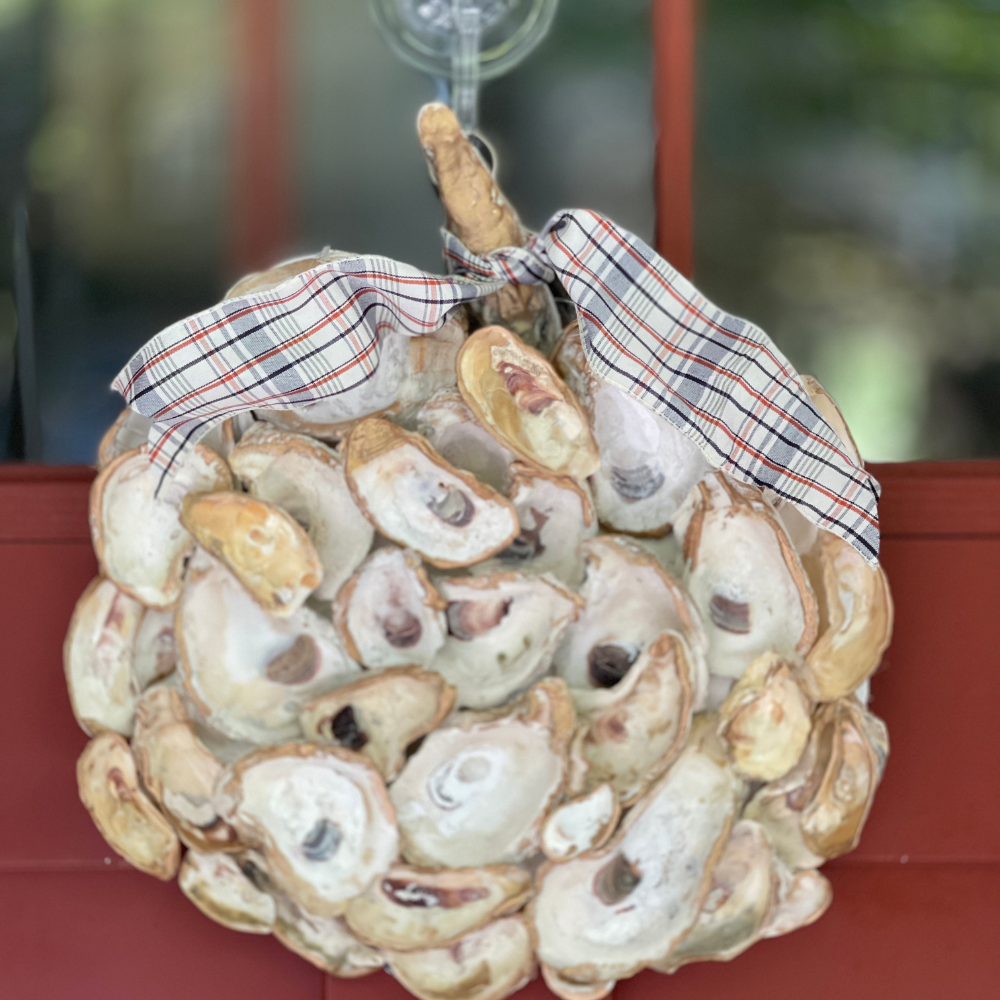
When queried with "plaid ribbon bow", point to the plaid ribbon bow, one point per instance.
{"points": [[645, 328]]}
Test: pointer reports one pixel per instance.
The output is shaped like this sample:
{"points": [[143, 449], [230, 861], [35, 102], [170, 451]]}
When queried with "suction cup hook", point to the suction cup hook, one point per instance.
{"points": [[464, 42]]}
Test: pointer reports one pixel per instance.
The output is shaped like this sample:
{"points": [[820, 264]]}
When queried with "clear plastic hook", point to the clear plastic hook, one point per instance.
{"points": [[464, 41]]}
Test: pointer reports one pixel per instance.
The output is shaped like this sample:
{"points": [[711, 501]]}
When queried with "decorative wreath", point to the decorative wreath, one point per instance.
{"points": [[481, 663]]}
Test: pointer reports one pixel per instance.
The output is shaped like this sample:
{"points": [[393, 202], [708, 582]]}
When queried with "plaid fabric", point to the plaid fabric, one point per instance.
{"points": [[646, 329]]}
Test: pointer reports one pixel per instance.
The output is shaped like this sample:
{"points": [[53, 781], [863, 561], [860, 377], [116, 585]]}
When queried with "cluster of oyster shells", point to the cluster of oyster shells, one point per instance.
{"points": [[481, 673]]}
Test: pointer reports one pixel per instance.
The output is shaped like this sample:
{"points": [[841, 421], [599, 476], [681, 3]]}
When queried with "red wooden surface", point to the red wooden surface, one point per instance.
{"points": [[915, 910]]}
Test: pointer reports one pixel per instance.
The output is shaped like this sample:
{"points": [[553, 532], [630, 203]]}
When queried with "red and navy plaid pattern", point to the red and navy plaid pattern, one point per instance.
{"points": [[646, 329]]}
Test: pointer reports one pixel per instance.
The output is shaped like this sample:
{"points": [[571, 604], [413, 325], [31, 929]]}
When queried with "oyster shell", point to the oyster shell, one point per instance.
{"points": [[556, 514], [217, 886], [482, 218], [452, 429], [131, 430], [324, 942], [566, 989], [608, 913], [381, 715], [647, 467], [517, 396], [765, 720], [743, 894], [261, 545], [98, 658], [155, 653], [818, 809], [743, 576], [477, 791], [630, 599], [488, 964], [581, 824], [138, 537], [179, 772], [410, 371], [389, 614], [502, 632], [410, 909], [855, 619], [320, 817], [128, 821], [416, 498], [306, 479], [803, 898], [636, 729], [830, 412], [264, 281], [248, 672]]}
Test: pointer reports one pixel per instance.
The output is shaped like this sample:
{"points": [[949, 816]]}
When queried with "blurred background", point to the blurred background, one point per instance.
{"points": [[847, 180]]}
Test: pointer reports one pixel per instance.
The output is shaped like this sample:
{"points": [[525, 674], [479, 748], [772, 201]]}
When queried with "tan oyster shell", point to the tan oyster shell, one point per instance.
{"points": [[217, 886], [381, 715], [410, 909], [306, 479], [636, 729], [630, 599], [264, 281], [830, 412], [319, 815], [263, 547], [416, 498], [556, 515], [138, 537], [98, 656], [389, 614], [248, 672], [584, 928], [482, 218], [742, 896], [502, 632], [449, 424], [743, 575], [488, 964], [128, 821], [518, 397], [818, 809], [765, 720], [179, 772], [647, 467], [477, 791], [855, 618], [581, 824], [325, 942]]}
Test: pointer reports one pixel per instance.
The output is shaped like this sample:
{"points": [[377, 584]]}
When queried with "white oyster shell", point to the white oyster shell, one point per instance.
{"points": [[248, 672], [98, 658], [743, 575], [581, 824], [217, 886], [608, 913], [320, 817], [630, 599], [139, 539], [502, 632], [476, 793], [416, 498], [389, 614]]}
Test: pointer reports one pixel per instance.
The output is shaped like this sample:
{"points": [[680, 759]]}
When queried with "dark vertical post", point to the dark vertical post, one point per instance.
{"points": [[673, 102], [262, 201], [25, 418]]}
